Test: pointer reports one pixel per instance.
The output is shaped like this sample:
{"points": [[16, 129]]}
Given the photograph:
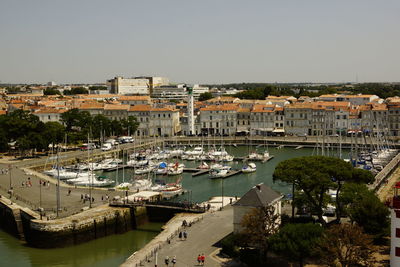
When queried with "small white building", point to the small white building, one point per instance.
{"points": [[259, 196]]}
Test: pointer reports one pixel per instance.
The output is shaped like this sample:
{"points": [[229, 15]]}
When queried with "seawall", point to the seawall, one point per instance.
{"points": [[85, 226]]}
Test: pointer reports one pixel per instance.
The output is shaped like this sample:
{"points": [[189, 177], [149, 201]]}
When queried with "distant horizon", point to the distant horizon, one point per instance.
{"points": [[200, 42], [225, 83]]}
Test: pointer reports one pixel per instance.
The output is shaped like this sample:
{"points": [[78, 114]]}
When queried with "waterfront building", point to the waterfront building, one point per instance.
{"points": [[374, 119], [393, 105], [266, 120], [257, 197], [299, 118], [160, 121], [219, 119], [243, 120]]}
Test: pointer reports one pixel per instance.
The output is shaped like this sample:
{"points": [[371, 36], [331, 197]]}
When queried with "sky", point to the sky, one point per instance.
{"points": [[207, 41]]}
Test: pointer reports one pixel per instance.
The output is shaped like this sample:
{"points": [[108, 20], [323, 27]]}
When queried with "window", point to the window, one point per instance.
{"points": [[210, 118], [397, 252], [397, 232]]}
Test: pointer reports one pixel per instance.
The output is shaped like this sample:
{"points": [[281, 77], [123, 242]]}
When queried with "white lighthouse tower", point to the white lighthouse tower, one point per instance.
{"points": [[395, 227], [190, 111]]}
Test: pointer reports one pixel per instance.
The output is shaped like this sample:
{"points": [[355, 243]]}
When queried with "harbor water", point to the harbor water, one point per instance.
{"points": [[113, 250]]}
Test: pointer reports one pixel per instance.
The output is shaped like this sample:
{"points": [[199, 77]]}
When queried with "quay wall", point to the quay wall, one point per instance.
{"points": [[384, 174], [8, 222], [101, 221]]}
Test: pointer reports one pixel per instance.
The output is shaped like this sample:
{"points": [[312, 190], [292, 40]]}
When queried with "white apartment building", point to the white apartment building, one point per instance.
{"points": [[129, 86], [156, 121], [219, 119], [299, 118], [116, 112], [266, 120], [171, 92], [49, 114]]}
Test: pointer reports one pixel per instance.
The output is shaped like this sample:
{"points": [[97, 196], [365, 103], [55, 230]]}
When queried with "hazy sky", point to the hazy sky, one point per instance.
{"points": [[216, 41]]}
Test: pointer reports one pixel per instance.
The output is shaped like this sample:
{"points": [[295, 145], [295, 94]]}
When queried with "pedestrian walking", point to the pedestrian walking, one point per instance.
{"points": [[184, 235], [174, 261], [203, 258], [166, 260], [81, 197], [69, 192], [180, 235], [199, 260]]}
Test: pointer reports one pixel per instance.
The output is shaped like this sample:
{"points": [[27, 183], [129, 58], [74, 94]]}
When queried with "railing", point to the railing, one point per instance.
{"points": [[185, 206]]}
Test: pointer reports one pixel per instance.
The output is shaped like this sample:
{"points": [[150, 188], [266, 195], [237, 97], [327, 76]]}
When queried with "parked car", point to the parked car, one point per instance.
{"points": [[87, 146], [125, 139], [106, 146], [111, 141]]}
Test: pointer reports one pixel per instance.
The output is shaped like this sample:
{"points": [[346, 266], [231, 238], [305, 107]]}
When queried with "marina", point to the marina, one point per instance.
{"points": [[195, 184]]}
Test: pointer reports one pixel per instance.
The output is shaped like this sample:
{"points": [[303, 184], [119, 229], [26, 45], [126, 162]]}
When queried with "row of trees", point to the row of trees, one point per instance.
{"points": [[349, 243], [80, 123], [26, 132], [346, 243], [261, 90], [73, 91]]}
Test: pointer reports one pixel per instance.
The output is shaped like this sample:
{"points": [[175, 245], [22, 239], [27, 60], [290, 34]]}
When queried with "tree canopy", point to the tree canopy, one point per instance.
{"points": [[259, 225], [76, 91], [296, 241], [205, 96], [346, 244], [313, 176]]}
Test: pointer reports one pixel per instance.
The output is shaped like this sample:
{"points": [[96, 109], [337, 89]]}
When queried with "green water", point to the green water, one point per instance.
{"points": [[103, 252], [113, 250]]}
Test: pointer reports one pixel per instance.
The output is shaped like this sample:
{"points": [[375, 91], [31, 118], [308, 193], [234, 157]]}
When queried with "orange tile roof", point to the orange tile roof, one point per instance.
{"points": [[243, 110], [95, 105], [139, 108], [116, 107], [50, 110], [225, 107], [134, 97], [263, 108], [164, 109]]}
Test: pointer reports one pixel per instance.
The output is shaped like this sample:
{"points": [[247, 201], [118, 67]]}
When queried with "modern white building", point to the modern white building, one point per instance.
{"points": [[136, 85]]}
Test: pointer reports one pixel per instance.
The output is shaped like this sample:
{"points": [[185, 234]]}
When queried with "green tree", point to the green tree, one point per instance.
{"points": [[205, 96], [258, 226], [315, 175], [70, 118], [54, 132], [51, 91], [345, 244], [368, 211], [76, 91], [296, 241]]}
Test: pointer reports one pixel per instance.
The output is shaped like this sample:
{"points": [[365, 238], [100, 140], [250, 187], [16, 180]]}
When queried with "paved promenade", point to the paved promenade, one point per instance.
{"points": [[33, 196], [201, 238]]}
